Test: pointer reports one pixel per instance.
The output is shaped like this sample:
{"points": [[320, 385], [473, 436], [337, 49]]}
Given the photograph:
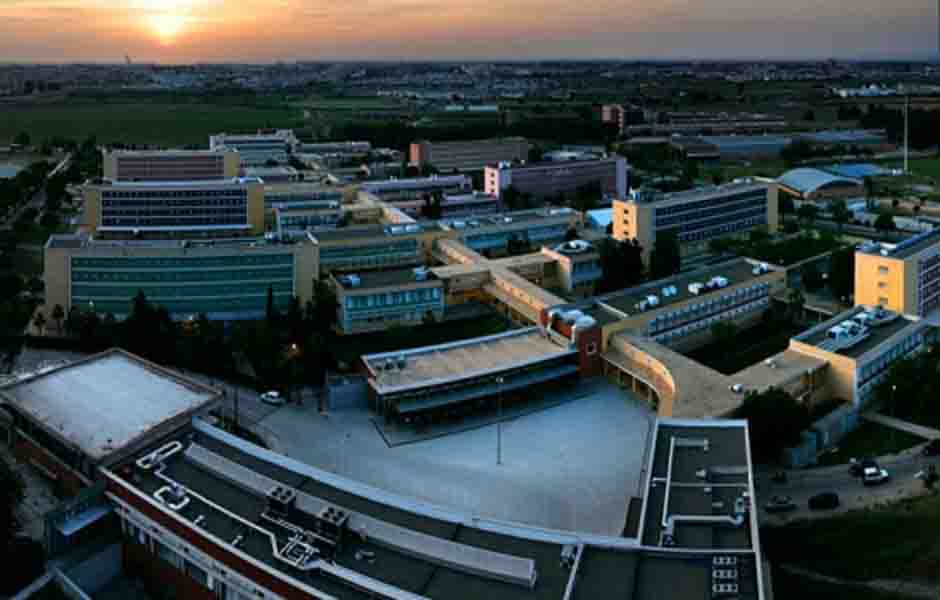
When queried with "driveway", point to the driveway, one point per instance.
{"points": [[801, 485], [571, 467]]}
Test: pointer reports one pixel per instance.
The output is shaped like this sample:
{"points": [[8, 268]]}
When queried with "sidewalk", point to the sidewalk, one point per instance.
{"points": [[919, 430]]}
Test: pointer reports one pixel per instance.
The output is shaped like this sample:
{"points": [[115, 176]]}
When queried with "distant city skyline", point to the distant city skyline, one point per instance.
{"points": [[182, 31]]}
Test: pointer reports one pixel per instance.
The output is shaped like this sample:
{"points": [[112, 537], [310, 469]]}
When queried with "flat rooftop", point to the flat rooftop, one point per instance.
{"points": [[737, 272], [908, 247], [381, 279], [700, 497], [377, 232], [84, 240], [877, 334], [701, 192], [107, 402], [196, 183], [433, 365]]}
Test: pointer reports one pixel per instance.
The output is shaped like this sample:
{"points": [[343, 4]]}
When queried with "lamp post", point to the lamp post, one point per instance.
{"points": [[894, 412], [499, 420]]}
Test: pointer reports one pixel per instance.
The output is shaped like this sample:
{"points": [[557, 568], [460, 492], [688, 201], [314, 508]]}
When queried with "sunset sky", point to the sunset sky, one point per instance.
{"points": [[266, 30]]}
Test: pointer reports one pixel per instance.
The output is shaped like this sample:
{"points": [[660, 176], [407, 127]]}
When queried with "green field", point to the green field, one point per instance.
{"points": [[895, 542], [159, 123]]}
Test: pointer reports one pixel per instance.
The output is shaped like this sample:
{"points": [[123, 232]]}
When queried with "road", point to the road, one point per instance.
{"points": [[801, 485]]}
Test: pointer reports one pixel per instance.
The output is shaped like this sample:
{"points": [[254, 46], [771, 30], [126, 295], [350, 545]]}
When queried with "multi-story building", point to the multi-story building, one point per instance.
{"points": [[453, 205], [226, 280], [301, 195], [860, 346], [904, 278], [377, 300], [492, 235], [471, 155], [371, 247], [553, 179], [175, 208], [296, 222], [336, 148], [577, 265], [170, 165], [679, 312], [404, 190], [697, 216], [259, 148]]}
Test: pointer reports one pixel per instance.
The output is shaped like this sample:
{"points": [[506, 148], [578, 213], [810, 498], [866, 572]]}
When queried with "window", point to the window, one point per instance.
{"points": [[882, 284], [883, 270], [883, 301], [592, 349]]}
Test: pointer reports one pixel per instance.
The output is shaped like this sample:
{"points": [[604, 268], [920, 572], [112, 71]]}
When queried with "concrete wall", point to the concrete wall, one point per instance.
{"points": [[840, 376]]}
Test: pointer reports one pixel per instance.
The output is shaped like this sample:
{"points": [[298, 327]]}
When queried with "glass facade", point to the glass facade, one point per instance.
{"points": [[876, 370], [677, 324], [366, 311], [174, 208], [229, 287], [928, 284], [369, 256], [500, 239], [713, 217]]}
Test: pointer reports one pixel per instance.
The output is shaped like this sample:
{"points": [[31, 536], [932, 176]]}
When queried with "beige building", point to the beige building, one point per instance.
{"points": [[697, 216], [226, 280], [471, 155], [175, 208], [903, 278], [170, 165]]}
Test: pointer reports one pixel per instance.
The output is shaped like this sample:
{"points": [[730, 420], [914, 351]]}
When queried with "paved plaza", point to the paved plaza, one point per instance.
{"points": [[570, 467]]}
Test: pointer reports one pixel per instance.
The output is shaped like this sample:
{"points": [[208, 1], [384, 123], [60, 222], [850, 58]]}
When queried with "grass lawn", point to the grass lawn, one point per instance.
{"points": [[870, 439], [789, 585], [349, 348], [923, 167], [163, 124], [896, 542]]}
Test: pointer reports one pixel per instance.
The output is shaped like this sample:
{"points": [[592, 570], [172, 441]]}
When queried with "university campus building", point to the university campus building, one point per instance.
{"points": [[471, 155], [697, 216], [904, 278], [185, 505], [170, 165], [552, 179], [257, 149]]}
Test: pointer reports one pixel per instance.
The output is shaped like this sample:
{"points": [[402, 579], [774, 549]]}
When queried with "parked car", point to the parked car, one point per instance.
{"points": [[780, 504], [273, 398], [875, 476], [824, 501], [857, 467], [932, 448]]}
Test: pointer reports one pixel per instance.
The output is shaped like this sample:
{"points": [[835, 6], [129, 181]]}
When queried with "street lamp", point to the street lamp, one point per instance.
{"points": [[894, 413], [499, 420]]}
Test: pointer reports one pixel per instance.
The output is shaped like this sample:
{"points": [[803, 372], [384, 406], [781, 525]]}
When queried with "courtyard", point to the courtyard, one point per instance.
{"points": [[572, 466]]}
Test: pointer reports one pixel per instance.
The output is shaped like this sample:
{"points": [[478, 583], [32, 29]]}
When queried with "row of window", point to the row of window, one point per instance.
{"points": [[408, 247], [155, 293], [722, 230], [676, 333], [354, 322], [183, 262], [728, 211], [246, 305], [169, 212], [760, 195], [710, 307], [239, 275], [393, 298], [881, 364], [175, 222], [163, 193]]}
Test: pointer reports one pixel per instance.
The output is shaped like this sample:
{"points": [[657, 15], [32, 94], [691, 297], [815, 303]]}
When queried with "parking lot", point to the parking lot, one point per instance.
{"points": [[570, 467]]}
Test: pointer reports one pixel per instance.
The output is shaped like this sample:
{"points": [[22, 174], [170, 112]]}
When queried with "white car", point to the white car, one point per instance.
{"points": [[273, 398], [874, 476]]}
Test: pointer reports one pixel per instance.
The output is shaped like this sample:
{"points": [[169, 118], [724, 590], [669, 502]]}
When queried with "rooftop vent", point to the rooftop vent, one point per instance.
{"points": [[281, 499], [173, 496]]}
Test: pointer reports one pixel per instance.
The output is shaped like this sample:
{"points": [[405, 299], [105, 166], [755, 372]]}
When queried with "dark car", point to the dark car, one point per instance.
{"points": [[824, 501], [857, 467], [932, 448], [780, 504]]}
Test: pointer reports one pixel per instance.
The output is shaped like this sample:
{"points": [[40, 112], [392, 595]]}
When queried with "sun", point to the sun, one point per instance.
{"points": [[167, 27]]}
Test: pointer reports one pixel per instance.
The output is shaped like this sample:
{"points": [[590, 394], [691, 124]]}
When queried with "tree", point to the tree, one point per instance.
{"points": [[775, 421], [885, 222], [431, 209], [808, 212], [809, 115], [21, 139], [723, 333], [269, 311], [587, 197], [812, 278], [511, 198], [58, 314], [869, 183], [665, 259], [571, 234], [39, 322], [840, 212], [842, 274]]}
